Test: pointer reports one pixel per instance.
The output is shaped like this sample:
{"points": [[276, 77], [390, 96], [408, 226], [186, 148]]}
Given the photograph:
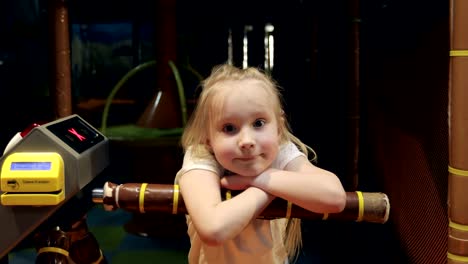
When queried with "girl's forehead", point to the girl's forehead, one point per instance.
{"points": [[236, 101], [240, 94]]}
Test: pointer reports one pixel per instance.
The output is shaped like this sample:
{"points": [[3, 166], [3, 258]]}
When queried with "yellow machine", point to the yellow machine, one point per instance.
{"points": [[45, 171], [32, 178]]}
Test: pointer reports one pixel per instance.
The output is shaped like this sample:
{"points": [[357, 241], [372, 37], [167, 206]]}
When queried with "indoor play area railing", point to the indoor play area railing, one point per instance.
{"points": [[360, 206]]}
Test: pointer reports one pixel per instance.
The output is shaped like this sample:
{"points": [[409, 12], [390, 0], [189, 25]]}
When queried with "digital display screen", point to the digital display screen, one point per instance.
{"points": [[76, 134], [29, 166]]}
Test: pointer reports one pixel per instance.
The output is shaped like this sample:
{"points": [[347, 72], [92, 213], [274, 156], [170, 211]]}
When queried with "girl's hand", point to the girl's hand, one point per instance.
{"points": [[236, 182], [239, 182]]}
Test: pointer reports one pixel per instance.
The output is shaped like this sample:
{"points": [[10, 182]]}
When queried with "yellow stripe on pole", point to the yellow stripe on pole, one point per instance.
{"points": [[458, 226], [175, 199], [457, 171], [325, 216], [458, 53], [53, 250], [457, 258], [361, 206], [141, 198]]}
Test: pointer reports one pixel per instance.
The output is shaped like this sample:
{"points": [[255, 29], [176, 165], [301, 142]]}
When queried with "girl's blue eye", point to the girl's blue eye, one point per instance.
{"points": [[259, 123], [229, 128]]}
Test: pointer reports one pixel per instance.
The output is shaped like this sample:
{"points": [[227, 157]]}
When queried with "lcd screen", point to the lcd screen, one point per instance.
{"points": [[29, 166], [76, 134]]}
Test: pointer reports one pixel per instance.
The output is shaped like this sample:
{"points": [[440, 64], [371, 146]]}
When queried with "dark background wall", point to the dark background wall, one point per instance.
{"points": [[310, 54], [403, 86]]}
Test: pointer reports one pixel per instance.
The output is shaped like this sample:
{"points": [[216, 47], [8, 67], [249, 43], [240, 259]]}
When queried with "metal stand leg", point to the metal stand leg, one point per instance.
{"points": [[52, 246], [77, 244], [84, 246]]}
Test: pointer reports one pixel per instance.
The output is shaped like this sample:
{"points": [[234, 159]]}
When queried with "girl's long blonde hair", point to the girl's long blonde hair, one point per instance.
{"points": [[197, 129]]}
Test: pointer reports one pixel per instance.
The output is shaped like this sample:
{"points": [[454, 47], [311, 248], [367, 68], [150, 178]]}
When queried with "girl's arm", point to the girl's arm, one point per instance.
{"points": [[300, 182], [215, 220]]}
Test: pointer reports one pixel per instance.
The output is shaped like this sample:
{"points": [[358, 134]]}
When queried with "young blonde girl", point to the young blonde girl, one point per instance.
{"points": [[238, 138]]}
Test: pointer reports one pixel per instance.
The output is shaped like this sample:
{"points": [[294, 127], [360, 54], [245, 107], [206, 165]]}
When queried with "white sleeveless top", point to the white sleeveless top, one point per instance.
{"points": [[261, 242]]}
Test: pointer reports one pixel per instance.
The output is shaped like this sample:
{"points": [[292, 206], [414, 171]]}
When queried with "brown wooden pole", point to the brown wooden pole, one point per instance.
{"points": [[164, 110], [52, 246], [60, 89], [165, 198], [458, 134]]}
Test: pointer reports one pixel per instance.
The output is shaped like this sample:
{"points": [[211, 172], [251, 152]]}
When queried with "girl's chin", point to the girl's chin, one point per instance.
{"points": [[248, 173]]}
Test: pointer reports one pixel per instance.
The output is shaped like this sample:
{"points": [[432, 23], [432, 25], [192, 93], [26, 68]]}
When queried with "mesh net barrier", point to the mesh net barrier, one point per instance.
{"points": [[406, 146]]}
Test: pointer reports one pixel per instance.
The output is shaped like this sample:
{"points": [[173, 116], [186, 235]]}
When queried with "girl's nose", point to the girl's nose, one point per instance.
{"points": [[246, 139]]}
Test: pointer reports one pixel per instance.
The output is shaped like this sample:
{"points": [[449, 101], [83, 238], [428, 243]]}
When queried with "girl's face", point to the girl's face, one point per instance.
{"points": [[244, 138]]}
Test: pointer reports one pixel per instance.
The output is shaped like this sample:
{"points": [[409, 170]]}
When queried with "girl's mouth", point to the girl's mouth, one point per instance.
{"points": [[246, 158]]}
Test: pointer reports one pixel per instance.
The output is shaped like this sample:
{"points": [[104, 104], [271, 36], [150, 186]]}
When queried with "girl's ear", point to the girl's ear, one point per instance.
{"points": [[280, 129], [281, 124]]}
